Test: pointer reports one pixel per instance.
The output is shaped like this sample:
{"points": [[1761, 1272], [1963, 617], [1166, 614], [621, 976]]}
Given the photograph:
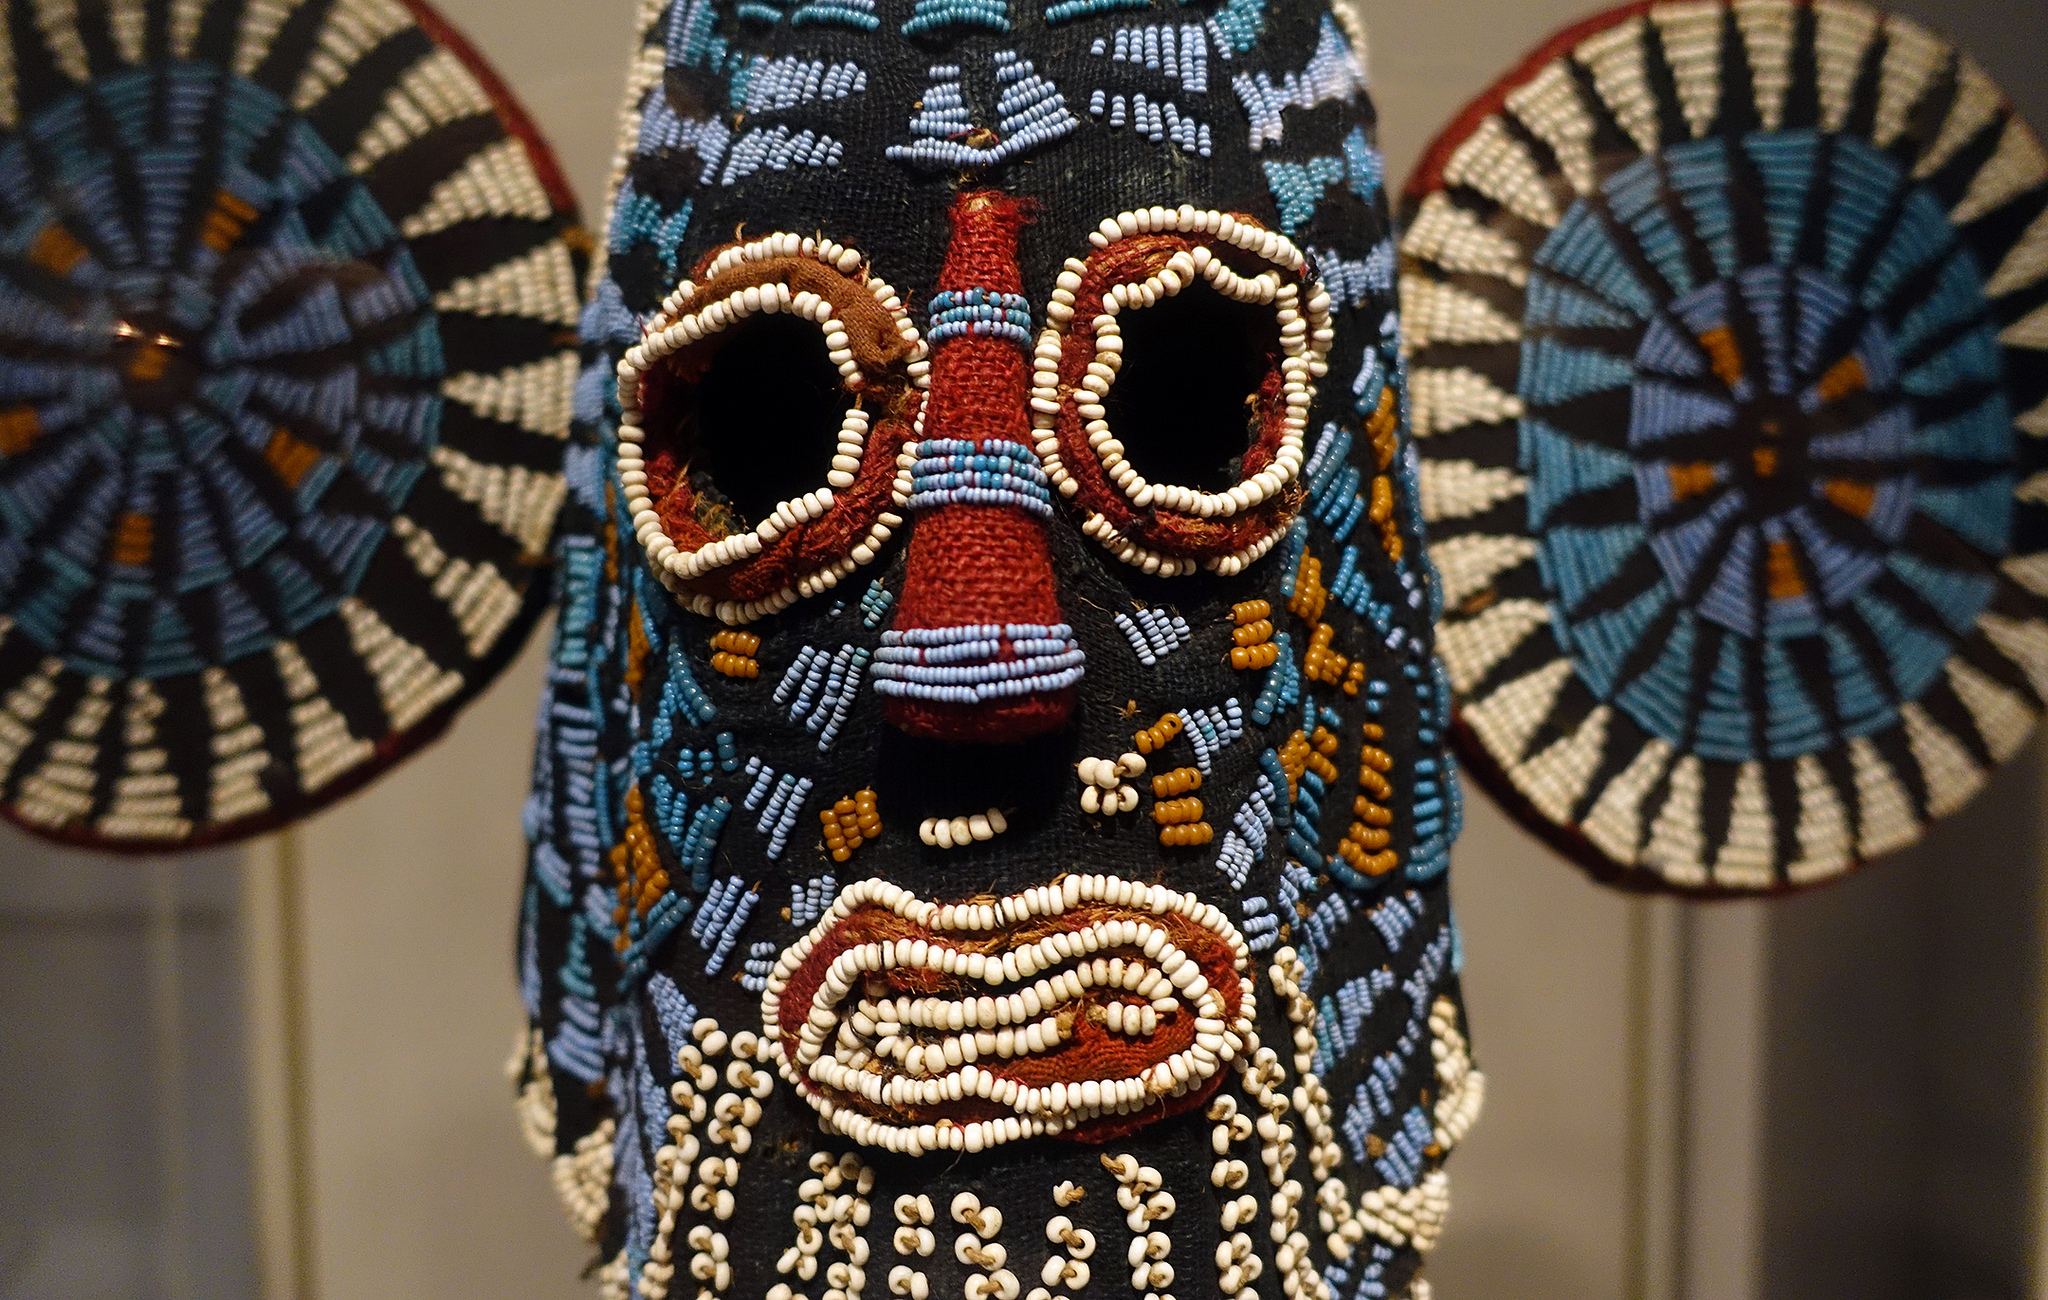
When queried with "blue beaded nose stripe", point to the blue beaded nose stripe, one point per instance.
{"points": [[960, 665], [955, 471], [960, 313]]}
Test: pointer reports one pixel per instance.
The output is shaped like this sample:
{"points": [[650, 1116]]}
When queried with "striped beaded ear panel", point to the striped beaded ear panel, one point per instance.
{"points": [[1728, 330], [290, 297], [931, 888]]}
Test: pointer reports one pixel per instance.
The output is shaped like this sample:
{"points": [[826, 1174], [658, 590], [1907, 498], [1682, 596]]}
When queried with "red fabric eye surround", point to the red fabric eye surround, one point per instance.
{"points": [[882, 373], [1168, 531]]}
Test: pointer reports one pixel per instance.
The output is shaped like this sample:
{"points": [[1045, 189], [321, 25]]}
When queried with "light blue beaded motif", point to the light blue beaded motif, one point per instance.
{"points": [[955, 471], [964, 665]]}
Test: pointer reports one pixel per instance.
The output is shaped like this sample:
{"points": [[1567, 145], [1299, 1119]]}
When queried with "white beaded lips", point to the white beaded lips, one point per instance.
{"points": [[1086, 1008]]}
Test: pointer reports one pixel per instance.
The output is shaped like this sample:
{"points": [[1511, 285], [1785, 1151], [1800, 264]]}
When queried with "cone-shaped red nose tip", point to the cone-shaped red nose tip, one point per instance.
{"points": [[978, 651]]}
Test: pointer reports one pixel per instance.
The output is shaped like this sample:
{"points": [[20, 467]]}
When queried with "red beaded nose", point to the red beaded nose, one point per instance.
{"points": [[978, 650]]}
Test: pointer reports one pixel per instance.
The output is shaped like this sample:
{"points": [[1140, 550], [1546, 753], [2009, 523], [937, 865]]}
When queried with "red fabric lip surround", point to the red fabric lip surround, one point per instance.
{"points": [[1085, 1009]]}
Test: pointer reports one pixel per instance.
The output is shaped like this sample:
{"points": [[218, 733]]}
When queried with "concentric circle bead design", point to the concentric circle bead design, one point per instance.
{"points": [[284, 369], [163, 374], [1727, 329]]}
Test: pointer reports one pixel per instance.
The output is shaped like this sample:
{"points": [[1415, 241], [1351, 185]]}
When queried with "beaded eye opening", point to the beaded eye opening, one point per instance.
{"points": [[701, 547], [1142, 259]]}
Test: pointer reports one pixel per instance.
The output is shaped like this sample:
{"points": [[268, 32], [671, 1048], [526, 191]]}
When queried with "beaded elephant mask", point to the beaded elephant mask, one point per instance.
{"points": [[991, 816]]}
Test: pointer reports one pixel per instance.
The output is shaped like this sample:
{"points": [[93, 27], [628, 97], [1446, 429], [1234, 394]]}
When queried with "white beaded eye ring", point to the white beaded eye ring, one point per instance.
{"points": [[806, 544], [1141, 259]]}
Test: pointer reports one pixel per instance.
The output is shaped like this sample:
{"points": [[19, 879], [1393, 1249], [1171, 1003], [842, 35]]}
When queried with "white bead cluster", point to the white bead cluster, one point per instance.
{"points": [[1341, 1228], [528, 1068], [477, 595], [1458, 489], [239, 756], [60, 789], [1141, 1194], [583, 1179], [727, 1121], [1067, 1266], [914, 1239], [146, 801], [1551, 107], [497, 181], [1442, 399], [1461, 1090], [832, 1209], [1238, 1264], [1470, 649], [1457, 240], [1102, 783], [953, 832], [1262, 1082], [691, 314], [539, 396], [437, 90], [324, 746], [1305, 336], [410, 684], [978, 1249], [1499, 166], [1437, 311], [894, 1054]]}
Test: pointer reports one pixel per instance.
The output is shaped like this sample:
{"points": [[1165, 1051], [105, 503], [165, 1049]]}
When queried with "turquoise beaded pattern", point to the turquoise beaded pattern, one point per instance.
{"points": [[983, 313], [956, 471], [280, 431], [1728, 332]]}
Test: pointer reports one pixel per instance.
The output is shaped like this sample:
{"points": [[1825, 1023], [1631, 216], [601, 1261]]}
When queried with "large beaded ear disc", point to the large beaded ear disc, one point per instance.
{"points": [[290, 290], [1727, 328]]}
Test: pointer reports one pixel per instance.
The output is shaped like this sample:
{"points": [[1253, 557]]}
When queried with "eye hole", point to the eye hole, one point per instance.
{"points": [[765, 409], [766, 420], [1184, 401], [1176, 426]]}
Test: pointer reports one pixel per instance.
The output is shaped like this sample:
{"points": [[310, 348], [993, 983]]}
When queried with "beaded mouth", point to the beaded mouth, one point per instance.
{"points": [[1143, 258], [699, 548], [1085, 1009]]}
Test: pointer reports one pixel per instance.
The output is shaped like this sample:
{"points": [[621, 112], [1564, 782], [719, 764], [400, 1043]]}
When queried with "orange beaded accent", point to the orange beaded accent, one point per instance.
{"points": [[1251, 640], [850, 823], [1170, 812], [735, 653], [1365, 844], [1186, 835], [1309, 593], [1321, 663], [1382, 428], [636, 866], [1262, 655], [1158, 734], [1252, 633], [1179, 781]]}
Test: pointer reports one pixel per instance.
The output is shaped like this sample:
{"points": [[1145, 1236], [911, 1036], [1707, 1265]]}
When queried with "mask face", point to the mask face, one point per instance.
{"points": [[991, 816]]}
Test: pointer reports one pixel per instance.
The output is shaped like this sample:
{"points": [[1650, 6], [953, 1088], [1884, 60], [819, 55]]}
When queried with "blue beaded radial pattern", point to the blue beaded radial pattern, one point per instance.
{"points": [[1727, 329], [287, 299]]}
